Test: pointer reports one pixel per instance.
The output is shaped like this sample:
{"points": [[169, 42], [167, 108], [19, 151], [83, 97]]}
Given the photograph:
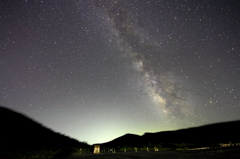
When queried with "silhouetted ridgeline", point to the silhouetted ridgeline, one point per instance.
{"points": [[20, 133], [192, 137]]}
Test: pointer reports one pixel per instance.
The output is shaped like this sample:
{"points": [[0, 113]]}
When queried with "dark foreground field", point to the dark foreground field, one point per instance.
{"points": [[217, 154]]}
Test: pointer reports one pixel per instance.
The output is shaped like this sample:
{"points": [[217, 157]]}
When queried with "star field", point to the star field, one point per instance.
{"points": [[95, 70]]}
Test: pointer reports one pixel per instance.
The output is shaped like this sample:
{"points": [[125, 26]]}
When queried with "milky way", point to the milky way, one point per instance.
{"points": [[97, 69]]}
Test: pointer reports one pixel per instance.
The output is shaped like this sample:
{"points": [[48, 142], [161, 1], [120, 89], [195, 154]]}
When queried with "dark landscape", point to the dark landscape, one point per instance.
{"points": [[203, 136], [23, 138]]}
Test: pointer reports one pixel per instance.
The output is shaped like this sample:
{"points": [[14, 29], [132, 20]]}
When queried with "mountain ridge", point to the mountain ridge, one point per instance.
{"points": [[204, 135], [21, 133]]}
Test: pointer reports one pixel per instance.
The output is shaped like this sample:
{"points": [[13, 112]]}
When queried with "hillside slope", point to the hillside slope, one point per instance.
{"points": [[20, 133], [197, 136]]}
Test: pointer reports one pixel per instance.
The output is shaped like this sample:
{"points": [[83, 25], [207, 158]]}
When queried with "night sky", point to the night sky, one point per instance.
{"points": [[97, 69]]}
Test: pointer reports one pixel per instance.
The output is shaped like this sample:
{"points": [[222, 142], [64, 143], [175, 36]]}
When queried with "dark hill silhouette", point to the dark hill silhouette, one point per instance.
{"points": [[197, 136], [127, 139], [20, 133], [204, 135]]}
